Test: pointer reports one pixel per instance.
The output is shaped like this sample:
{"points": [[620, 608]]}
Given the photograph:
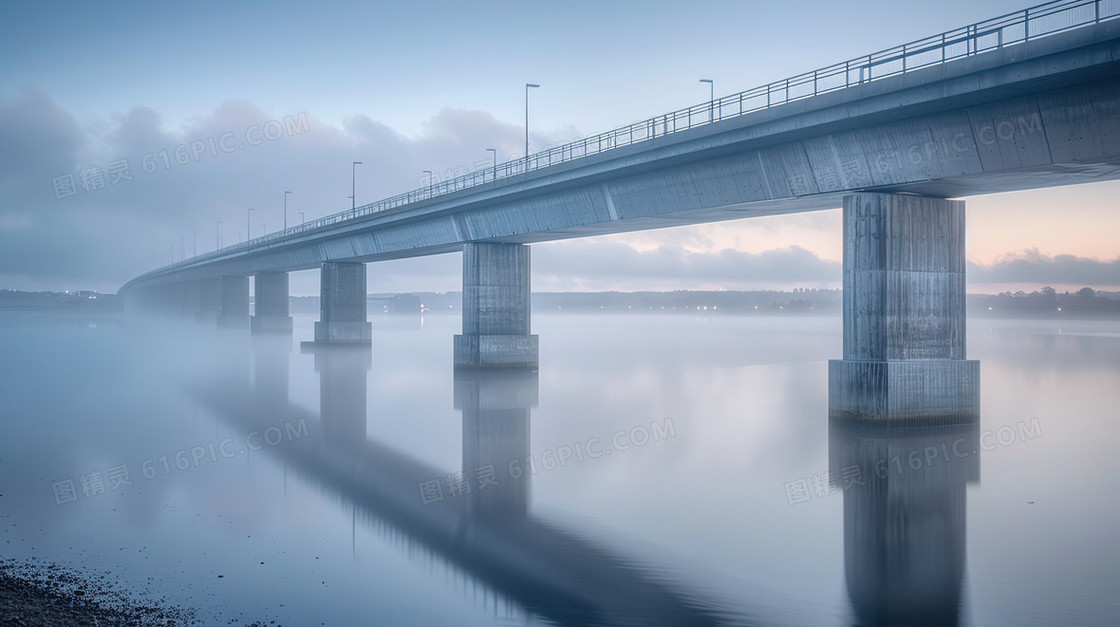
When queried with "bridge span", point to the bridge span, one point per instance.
{"points": [[1022, 101]]}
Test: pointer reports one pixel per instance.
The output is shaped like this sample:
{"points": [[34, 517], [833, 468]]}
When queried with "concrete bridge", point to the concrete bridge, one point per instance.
{"points": [[1022, 101]]}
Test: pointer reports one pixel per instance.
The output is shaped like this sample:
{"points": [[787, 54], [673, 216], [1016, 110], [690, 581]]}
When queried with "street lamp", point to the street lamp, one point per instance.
{"points": [[286, 210], [711, 98], [494, 154], [218, 236], [353, 194], [429, 173], [248, 225], [194, 250], [527, 86]]}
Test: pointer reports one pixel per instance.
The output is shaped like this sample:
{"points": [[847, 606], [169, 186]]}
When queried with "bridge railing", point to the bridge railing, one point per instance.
{"points": [[994, 34]]}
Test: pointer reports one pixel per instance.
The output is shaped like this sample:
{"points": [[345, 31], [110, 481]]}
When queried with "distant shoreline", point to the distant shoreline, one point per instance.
{"points": [[1040, 304]]}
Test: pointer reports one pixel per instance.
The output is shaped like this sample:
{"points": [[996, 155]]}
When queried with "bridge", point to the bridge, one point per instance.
{"points": [[1026, 100]]}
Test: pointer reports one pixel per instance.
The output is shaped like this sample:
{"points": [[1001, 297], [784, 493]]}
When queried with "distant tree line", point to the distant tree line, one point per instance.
{"points": [[1047, 301], [82, 300]]}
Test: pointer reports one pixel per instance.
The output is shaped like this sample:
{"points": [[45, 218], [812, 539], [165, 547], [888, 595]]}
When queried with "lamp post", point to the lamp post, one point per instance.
{"points": [[248, 225], [429, 173], [527, 86], [494, 155], [286, 210], [353, 195], [194, 248], [218, 236], [711, 98]]}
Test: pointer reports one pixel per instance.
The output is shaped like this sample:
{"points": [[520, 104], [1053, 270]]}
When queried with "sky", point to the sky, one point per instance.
{"points": [[128, 131]]}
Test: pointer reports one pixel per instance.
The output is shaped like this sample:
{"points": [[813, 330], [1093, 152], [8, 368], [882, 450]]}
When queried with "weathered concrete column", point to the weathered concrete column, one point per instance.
{"points": [[496, 300], [342, 304], [496, 406], [211, 306], [271, 315], [192, 299], [904, 313], [235, 302]]}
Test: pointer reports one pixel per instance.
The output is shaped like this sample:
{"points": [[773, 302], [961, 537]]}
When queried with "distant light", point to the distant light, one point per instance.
{"points": [[989, 308], [1059, 308], [714, 308], [756, 306]]}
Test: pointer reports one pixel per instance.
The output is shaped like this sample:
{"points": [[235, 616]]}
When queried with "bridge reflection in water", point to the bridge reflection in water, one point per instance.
{"points": [[489, 532], [904, 515], [904, 499]]}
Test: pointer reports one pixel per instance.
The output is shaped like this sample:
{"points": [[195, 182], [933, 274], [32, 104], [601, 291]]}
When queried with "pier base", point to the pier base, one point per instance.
{"points": [[496, 300]]}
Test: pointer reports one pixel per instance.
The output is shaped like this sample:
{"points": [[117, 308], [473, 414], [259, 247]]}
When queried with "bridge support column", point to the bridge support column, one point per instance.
{"points": [[342, 304], [904, 313], [496, 299], [271, 315], [211, 306], [235, 302], [192, 299]]}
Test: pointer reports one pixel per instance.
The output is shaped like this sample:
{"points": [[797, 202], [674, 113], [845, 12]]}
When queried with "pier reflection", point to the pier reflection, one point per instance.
{"points": [[904, 518], [496, 406]]}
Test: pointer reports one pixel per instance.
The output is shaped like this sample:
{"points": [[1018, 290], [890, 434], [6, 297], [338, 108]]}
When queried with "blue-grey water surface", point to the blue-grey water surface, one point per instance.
{"points": [[656, 469]]}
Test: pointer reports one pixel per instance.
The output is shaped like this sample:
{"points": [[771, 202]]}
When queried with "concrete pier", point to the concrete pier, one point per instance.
{"points": [[904, 313], [234, 312], [496, 300], [271, 315], [210, 306], [342, 304], [192, 299]]}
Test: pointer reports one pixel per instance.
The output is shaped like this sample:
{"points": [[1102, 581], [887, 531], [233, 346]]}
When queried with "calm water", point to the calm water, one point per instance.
{"points": [[657, 469]]}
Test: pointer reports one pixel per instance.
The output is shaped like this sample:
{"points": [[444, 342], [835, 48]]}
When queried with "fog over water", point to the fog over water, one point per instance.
{"points": [[656, 469]]}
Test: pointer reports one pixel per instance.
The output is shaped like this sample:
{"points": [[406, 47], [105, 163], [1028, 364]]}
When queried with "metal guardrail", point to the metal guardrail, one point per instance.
{"points": [[993, 34]]}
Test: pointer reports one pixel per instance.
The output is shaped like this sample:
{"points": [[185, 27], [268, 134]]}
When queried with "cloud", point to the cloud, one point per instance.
{"points": [[36, 136], [111, 225], [1031, 266]]}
